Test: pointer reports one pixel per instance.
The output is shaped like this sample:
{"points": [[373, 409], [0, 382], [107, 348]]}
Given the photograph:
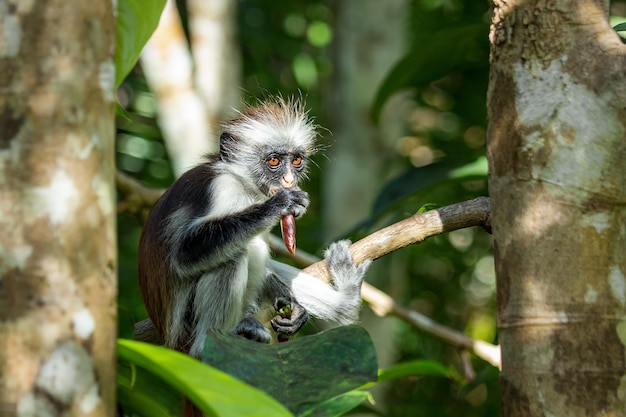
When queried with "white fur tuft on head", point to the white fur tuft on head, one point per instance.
{"points": [[275, 123]]}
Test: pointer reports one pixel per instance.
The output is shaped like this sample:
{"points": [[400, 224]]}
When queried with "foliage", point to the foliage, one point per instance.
{"points": [[449, 278], [405, 193], [152, 380], [136, 20], [305, 371], [214, 392], [465, 46]]}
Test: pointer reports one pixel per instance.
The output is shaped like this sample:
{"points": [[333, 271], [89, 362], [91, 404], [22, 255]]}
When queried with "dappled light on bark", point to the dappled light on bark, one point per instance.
{"points": [[556, 150]]}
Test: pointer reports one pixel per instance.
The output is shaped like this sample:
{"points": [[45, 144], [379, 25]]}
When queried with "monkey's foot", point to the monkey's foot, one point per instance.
{"points": [[252, 329]]}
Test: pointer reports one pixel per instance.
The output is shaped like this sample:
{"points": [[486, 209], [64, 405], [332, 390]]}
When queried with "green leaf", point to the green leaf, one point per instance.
{"points": [[478, 167], [136, 21], [305, 370], [140, 393], [427, 207], [433, 57], [121, 111], [336, 406], [620, 27], [214, 392], [417, 367]]}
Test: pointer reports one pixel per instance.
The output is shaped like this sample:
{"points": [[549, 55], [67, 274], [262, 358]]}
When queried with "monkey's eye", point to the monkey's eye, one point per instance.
{"points": [[273, 162], [297, 161]]}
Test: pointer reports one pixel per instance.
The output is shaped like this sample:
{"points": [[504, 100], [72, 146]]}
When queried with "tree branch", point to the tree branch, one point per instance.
{"points": [[414, 229], [383, 305], [133, 197]]}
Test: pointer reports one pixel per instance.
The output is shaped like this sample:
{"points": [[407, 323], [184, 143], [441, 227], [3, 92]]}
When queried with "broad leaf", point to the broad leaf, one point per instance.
{"points": [[336, 406], [433, 57], [140, 393], [620, 27], [305, 370], [416, 368], [136, 21], [213, 391]]}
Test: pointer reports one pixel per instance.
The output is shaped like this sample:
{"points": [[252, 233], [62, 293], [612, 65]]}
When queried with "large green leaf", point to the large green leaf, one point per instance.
{"points": [[140, 393], [213, 391], [416, 368], [136, 21], [301, 372], [433, 57]]}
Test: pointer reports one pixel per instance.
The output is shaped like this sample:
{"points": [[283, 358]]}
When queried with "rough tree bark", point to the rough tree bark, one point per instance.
{"points": [[57, 209], [556, 148]]}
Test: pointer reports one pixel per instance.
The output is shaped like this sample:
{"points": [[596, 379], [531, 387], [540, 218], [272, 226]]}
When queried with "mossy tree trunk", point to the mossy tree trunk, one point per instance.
{"points": [[557, 152], [57, 209]]}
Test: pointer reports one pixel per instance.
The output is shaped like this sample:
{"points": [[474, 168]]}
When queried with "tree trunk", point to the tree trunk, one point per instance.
{"points": [[57, 209], [556, 148]]}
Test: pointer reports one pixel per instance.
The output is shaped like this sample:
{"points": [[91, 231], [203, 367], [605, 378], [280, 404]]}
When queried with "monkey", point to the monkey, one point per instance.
{"points": [[204, 260]]}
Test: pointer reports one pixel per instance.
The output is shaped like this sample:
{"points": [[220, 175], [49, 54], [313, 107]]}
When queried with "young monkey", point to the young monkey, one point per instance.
{"points": [[203, 258]]}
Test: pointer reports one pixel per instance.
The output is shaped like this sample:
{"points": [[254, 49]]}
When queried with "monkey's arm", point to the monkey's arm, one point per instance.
{"points": [[339, 302], [206, 242]]}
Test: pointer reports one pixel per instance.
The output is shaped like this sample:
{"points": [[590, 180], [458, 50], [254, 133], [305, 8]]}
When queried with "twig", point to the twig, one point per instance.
{"points": [[468, 369], [133, 197], [383, 305]]}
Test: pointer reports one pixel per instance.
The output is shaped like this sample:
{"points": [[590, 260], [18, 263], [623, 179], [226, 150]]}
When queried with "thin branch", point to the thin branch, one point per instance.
{"points": [[383, 305], [415, 229], [133, 197], [468, 369]]}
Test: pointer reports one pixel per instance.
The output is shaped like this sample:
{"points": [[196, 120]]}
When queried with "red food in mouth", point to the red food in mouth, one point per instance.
{"points": [[288, 230]]}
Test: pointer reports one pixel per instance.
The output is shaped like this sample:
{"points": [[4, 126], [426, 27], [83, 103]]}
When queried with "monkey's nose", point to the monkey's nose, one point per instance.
{"points": [[287, 180]]}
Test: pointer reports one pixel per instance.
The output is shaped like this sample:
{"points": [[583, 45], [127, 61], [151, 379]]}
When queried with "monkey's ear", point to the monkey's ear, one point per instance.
{"points": [[228, 146]]}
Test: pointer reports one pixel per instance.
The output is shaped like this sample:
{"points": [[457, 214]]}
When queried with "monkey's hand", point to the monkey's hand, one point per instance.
{"points": [[290, 318], [289, 201], [347, 279], [252, 329]]}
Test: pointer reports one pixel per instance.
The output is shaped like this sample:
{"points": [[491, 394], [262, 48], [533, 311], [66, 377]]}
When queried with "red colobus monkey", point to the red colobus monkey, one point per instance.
{"points": [[203, 259]]}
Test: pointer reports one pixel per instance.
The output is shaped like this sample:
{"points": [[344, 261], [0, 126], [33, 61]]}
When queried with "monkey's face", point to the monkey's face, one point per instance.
{"points": [[281, 170]]}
